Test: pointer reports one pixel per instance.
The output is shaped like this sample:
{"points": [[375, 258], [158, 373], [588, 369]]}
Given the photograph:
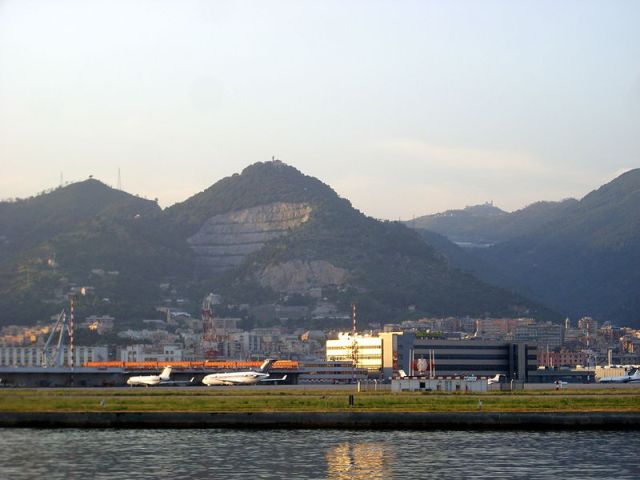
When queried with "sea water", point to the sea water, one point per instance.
{"points": [[301, 454]]}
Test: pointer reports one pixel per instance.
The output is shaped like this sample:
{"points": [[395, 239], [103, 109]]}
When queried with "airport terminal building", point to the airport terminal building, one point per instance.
{"points": [[402, 350]]}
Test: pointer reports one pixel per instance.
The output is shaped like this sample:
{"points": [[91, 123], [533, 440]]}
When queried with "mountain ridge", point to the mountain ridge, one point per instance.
{"points": [[580, 257], [585, 262], [325, 242], [479, 225]]}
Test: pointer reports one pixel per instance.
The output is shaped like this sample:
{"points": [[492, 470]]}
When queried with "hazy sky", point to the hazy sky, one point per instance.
{"points": [[404, 107]]}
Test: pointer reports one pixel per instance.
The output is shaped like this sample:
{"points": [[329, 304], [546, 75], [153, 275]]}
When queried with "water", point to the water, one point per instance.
{"points": [[302, 454]]}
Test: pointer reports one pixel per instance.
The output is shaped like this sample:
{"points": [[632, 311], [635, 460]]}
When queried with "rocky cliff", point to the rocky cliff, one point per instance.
{"points": [[298, 276], [224, 241]]}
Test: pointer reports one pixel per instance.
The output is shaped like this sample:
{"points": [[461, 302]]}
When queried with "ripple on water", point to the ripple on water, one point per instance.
{"points": [[297, 454]]}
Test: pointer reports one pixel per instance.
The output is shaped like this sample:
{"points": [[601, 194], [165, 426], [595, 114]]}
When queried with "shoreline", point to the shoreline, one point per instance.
{"points": [[328, 420]]}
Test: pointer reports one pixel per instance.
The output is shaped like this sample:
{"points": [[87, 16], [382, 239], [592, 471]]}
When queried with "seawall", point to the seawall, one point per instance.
{"points": [[336, 420]]}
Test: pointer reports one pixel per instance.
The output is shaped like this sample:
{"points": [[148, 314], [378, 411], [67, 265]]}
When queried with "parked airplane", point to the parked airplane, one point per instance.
{"points": [[495, 379], [633, 376], [153, 380], [250, 377]]}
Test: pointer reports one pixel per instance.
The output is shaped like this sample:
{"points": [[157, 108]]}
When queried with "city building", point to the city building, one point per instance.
{"points": [[331, 372], [500, 328], [568, 375], [467, 357], [545, 335], [151, 353], [390, 352], [439, 384], [563, 358], [34, 356], [365, 351]]}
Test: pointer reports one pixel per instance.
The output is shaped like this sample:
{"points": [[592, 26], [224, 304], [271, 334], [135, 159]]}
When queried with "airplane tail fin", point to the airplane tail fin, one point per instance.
{"points": [[266, 365], [402, 373], [166, 373]]}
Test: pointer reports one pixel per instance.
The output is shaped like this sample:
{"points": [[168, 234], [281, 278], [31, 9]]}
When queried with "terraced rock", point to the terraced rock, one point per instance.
{"points": [[224, 241]]}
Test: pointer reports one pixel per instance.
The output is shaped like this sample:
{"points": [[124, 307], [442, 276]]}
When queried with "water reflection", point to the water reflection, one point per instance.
{"points": [[316, 454], [359, 461]]}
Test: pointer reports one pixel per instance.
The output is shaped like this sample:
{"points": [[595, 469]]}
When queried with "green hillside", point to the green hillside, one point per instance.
{"points": [[126, 248], [485, 224], [586, 261], [55, 241], [390, 267], [258, 184], [27, 222]]}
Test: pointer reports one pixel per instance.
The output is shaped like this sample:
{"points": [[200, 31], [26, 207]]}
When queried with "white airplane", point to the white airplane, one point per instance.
{"points": [[250, 377], [153, 380], [495, 379], [633, 376]]}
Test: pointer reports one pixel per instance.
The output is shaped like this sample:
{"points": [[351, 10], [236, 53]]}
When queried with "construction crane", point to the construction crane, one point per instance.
{"points": [[53, 355]]}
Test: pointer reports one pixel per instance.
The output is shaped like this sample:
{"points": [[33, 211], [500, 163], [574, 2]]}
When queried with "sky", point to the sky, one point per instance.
{"points": [[404, 107]]}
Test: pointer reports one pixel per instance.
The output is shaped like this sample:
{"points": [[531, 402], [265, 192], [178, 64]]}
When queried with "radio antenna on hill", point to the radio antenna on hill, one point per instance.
{"points": [[119, 180]]}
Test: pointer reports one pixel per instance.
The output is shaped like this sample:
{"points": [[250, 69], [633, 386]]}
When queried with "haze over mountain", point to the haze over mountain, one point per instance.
{"points": [[482, 225], [579, 257], [584, 262], [267, 234]]}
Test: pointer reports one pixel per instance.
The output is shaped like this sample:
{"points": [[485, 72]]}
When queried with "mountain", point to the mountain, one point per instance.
{"points": [[483, 225], [585, 261], [75, 236], [268, 234], [465, 259], [466, 226], [28, 222], [274, 229]]}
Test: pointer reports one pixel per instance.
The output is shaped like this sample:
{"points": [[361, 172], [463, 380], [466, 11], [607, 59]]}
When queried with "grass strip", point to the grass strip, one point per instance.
{"points": [[219, 400]]}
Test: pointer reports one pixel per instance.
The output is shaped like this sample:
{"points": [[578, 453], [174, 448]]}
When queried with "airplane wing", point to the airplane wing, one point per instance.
{"points": [[177, 383], [273, 379]]}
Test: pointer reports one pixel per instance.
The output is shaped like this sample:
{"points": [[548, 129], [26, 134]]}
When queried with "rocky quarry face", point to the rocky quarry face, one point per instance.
{"points": [[299, 276], [224, 241]]}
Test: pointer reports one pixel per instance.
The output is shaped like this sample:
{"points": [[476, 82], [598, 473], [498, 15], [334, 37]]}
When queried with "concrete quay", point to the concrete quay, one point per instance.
{"points": [[332, 420]]}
